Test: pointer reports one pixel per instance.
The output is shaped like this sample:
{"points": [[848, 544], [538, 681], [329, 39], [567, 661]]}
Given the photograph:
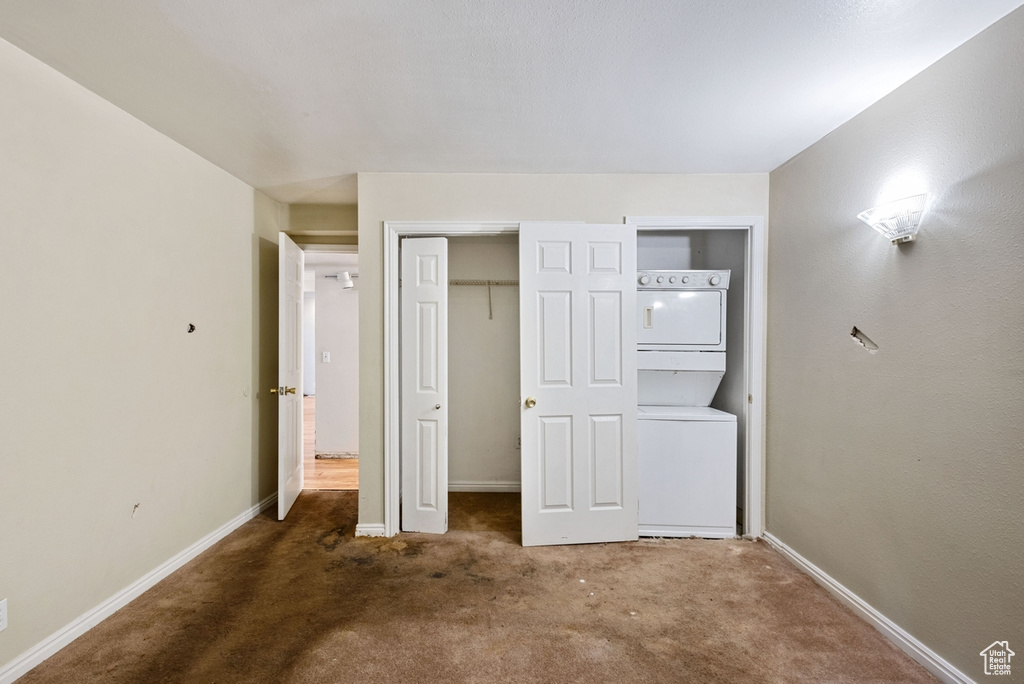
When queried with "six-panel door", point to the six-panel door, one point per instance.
{"points": [[578, 383], [424, 343]]}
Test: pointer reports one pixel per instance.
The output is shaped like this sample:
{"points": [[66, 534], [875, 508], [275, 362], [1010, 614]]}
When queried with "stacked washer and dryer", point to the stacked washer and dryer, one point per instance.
{"points": [[686, 450]]}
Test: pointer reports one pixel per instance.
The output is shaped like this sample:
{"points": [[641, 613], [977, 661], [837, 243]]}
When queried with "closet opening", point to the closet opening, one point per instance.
{"points": [[478, 404], [723, 251]]}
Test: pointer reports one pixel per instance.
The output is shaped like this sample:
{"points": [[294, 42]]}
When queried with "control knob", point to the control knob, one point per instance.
{"points": [[644, 279], [661, 279], [714, 280], [672, 279]]}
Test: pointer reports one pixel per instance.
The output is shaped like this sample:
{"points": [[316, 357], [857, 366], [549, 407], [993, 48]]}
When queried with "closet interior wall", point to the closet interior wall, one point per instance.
{"points": [[483, 365]]}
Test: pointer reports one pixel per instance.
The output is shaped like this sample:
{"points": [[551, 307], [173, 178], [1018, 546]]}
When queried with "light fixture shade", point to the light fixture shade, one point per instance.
{"points": [[346, 281], [898, 221]]}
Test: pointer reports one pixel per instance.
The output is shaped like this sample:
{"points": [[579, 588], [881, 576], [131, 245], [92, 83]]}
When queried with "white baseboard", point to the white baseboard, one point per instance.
{"points": [[465, 486], [83, 623], [370, 530], [337, 454], [928, 658]]}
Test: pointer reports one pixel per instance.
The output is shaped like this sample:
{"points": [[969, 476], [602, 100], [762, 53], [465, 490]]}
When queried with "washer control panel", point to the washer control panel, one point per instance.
{"points": [[682, 280]]}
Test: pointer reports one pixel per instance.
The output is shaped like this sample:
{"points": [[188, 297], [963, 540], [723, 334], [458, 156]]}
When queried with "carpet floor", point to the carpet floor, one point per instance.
{"points": [[305, 601]]}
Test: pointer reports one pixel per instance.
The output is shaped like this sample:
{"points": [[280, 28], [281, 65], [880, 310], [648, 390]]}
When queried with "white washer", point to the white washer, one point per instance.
{"points": [[687, 471]]}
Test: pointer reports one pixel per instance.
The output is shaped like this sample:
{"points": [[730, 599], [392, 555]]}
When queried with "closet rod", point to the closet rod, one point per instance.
{"points": [[488, 284], [485, 283]]}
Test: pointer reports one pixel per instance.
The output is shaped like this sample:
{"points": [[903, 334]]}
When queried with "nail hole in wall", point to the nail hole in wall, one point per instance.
{"points": [[863, 340]]}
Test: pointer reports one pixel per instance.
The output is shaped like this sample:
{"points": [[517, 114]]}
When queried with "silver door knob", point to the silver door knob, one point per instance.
{"points": [[530, 402], [437, 406]]}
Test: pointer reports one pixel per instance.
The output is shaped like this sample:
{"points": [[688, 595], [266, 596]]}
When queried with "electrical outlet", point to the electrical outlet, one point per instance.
{"points": [[325, 357], [3, 615], [519, 442]]}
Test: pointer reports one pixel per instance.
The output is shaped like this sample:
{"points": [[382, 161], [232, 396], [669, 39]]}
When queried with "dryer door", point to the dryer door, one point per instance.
{"points": [[681, 319]]}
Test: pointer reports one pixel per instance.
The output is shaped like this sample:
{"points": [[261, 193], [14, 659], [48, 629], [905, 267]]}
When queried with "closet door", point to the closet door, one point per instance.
{"points": [[578, 382], [424, 359]]}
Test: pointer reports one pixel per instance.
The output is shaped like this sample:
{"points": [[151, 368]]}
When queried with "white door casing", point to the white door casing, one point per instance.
{"points": [[424, 364], [289, 374], [578, 382]]}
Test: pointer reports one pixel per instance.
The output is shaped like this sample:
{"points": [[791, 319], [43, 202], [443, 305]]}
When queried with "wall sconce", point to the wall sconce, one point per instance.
{"points": [[345, 278], [898, 221]]}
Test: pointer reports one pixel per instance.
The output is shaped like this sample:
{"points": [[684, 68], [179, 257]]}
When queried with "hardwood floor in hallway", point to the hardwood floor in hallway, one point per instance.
{"points": [[323, 473]]}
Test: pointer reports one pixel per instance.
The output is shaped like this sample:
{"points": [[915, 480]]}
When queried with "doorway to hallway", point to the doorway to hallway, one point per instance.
{"points": [[323, 473]]}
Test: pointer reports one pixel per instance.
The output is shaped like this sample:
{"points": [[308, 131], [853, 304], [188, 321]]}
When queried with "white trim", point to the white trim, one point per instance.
{"points": [[393, 231], [336, 455], [83, 623], [902, 639], [371, 530], [757, 284], [467, 486]]}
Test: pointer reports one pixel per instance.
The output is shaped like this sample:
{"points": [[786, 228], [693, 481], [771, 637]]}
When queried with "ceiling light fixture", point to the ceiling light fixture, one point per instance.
{"points": [[345, 278], [898, 221]]}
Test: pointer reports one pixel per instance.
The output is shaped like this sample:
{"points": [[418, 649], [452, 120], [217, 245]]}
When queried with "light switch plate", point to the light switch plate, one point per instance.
{"points": [[326, 357], [3, 615]]}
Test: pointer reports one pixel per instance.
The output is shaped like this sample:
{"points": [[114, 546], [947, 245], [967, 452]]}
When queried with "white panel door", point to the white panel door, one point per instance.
{"points": [[578, 381], [424, 369], [289, 374]]}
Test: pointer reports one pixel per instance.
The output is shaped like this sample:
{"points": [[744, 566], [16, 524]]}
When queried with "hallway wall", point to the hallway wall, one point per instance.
{"points": [[337, 332]]}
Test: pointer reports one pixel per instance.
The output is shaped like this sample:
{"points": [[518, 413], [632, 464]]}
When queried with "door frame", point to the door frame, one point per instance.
{"points": [[756, 345], [753, 511]]}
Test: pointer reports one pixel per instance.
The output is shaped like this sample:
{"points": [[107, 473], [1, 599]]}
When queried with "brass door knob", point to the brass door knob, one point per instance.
{"points": [[530, 402], [273, 390], [289, 390]]}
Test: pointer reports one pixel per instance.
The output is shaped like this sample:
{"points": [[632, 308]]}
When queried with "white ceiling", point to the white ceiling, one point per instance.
{"points": [[296, 97]]}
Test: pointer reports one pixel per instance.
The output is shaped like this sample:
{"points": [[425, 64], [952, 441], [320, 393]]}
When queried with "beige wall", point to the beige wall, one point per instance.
{"points": [[321, 219], [504, 197], [901, 473], [270, 219], [114, 240], [322, 224], [483, 363]]}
